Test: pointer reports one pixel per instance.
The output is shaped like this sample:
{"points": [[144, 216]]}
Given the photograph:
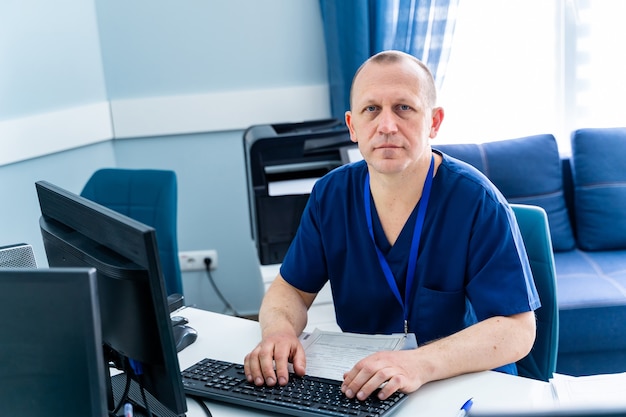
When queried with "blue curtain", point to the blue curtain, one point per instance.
{"points": [[354, 30]]}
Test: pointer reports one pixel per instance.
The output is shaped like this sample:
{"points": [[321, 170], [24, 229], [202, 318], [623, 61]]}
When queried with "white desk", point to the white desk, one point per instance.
{"points": [[230, 338]]}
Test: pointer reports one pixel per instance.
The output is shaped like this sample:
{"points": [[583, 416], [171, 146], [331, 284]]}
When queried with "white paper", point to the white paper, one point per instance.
{"points": [[605, 389], [291, 187], [331, 354]]}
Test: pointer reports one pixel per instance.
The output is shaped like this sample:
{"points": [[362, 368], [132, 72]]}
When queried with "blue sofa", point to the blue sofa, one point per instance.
{"points": [[584, 196]]}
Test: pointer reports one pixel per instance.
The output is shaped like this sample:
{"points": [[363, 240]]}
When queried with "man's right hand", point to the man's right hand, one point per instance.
{"points": [[268, 363], [282, 317]]}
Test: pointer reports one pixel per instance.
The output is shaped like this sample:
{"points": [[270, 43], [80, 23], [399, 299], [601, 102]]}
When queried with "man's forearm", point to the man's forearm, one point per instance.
{"points": [[486, 345], [283, 308]]}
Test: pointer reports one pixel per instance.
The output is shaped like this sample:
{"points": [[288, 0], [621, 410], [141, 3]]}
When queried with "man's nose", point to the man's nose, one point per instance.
{"points": [[387, 122]]}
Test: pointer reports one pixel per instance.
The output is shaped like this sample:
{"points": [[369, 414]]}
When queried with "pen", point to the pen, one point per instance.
{"points": [[128, 410], [465, 408]]}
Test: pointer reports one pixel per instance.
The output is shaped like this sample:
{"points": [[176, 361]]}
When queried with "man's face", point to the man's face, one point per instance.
{"points": [[389, 119]]}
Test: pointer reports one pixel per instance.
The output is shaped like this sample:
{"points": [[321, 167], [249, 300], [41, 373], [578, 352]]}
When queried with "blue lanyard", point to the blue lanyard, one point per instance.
{"points": [[417, 232]]}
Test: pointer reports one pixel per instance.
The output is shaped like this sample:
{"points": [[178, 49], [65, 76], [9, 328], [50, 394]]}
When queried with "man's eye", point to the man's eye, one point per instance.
{"points": [[370, 109], [404, 107]]}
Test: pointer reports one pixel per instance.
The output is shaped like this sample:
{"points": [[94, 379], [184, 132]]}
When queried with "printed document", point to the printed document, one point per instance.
{"points": [[331, 354], [605, 389]]}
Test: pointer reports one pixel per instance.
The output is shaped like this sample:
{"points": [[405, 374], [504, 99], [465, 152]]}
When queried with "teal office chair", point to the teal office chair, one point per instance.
{"points": [[150, 197], [533, 223]]}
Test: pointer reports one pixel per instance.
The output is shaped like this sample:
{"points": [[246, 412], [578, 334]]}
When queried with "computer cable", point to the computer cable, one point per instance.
{"points": [[123, 399], [202, 405], [137, 369], [145, 400], [117, 362], [207, 263]]}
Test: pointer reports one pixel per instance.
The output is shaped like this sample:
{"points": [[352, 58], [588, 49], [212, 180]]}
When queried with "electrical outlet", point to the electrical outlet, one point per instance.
{"points": [[194, 260]]}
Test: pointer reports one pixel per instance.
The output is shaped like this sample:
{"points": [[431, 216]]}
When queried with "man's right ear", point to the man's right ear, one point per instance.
{"points": [[348, 116]]}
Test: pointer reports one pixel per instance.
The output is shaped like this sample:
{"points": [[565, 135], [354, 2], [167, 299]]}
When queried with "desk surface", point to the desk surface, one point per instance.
{"points": [[230, 338]]}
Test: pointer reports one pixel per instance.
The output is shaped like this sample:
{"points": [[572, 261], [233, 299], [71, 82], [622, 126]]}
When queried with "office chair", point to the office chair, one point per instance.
{"points": [[150, 197], [533, 223]]}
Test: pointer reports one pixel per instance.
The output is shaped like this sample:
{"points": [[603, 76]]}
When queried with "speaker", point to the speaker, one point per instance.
{"points": [[20, 255]]}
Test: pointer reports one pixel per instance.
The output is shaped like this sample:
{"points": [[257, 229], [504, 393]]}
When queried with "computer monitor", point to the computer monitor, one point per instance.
{"points": [[51, 361], [136, 327]]}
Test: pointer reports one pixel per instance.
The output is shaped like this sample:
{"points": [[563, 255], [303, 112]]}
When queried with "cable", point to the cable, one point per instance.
{"points": [[145, 400], [229, 306], [202, 405], [124, 397]]}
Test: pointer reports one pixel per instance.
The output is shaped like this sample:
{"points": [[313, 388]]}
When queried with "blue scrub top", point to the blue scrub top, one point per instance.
{"points": [[471, 263]]}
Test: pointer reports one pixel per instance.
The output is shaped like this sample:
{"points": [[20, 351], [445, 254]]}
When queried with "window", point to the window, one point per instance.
{"points": [[523, 67], [596, 35]]}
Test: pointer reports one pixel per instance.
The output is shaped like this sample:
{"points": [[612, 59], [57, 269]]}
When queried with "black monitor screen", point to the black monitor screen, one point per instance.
{"points": [[51, 349], [136, 326]]}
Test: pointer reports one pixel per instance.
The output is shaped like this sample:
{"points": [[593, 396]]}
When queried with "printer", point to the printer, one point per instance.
{"points": [[283, 161]]}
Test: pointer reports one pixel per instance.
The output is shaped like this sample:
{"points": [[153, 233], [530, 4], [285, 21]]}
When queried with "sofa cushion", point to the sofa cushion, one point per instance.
{"points": [[527, 171], [599, 174], [591, 279], [591, 292]]}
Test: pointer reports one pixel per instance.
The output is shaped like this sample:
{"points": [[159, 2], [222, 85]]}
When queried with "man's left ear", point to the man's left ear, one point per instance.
{"points": [[437, 119]]}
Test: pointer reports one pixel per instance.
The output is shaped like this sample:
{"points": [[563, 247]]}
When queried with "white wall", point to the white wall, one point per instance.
{"points": [[88, 84]]}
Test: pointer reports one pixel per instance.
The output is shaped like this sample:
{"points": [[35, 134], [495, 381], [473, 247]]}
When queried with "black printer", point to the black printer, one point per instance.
{"points": [[282, 163]]}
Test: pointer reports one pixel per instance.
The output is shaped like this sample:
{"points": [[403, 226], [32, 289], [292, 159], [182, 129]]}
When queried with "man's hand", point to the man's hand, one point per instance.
{"points": [[282, 317], [268, 362], [488, 344], [395, 371]]}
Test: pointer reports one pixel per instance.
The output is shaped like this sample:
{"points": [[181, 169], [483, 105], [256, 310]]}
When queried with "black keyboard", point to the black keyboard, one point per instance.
{"points": [[302, 396]]}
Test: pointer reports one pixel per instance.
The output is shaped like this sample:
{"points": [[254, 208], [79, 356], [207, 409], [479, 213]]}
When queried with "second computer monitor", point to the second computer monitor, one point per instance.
{"points": [[50, 349]]}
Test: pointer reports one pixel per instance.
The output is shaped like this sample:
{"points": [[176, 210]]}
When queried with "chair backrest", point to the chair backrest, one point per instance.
{"points": [[533, 223], [149, 196]]}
